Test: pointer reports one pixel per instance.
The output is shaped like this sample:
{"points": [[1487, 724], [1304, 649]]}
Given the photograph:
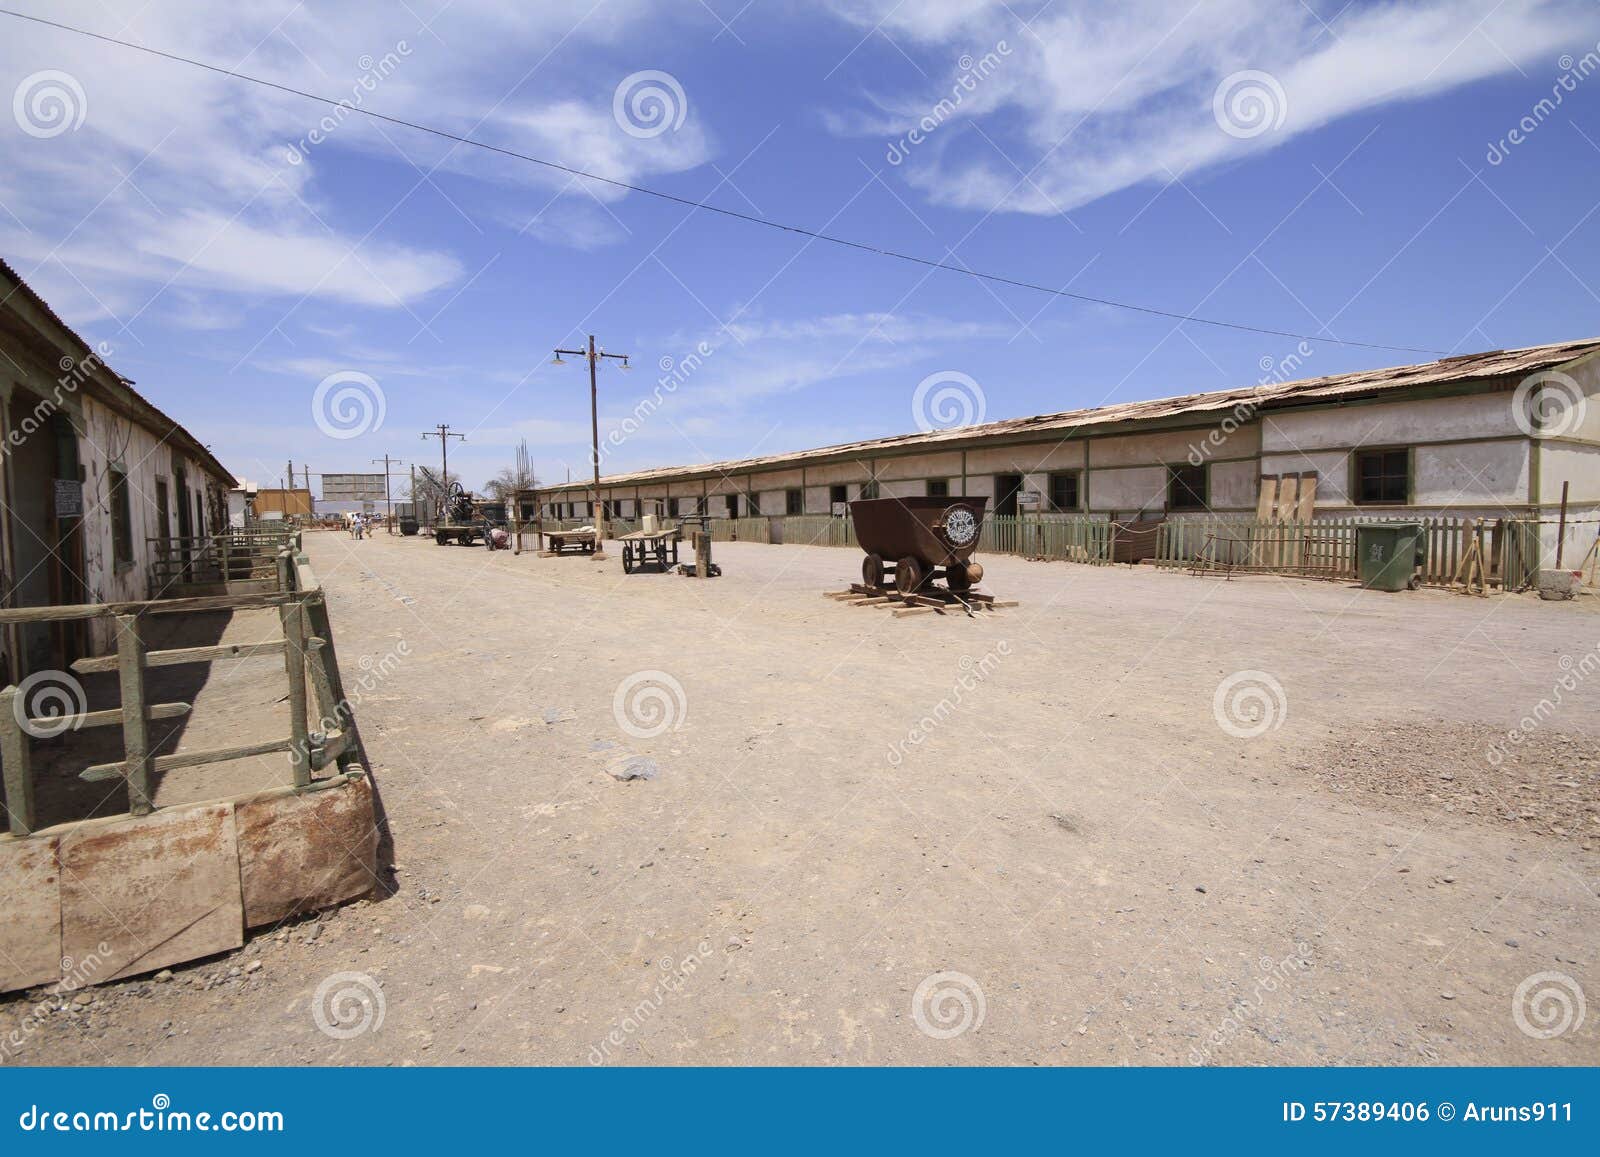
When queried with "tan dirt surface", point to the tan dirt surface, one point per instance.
{"points": [[1021, 839]]}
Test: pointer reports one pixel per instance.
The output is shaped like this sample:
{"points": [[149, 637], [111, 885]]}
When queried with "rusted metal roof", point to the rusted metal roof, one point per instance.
{"points": [[1491, 365]]}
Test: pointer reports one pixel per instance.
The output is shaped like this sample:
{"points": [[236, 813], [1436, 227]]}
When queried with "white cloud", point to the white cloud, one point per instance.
{"points": [[183, 176], [1097, 97]]}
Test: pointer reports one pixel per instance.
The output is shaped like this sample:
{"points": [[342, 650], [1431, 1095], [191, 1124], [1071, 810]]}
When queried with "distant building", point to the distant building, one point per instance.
{"points": [[353, 487], [98, 483], [1493, 434]]}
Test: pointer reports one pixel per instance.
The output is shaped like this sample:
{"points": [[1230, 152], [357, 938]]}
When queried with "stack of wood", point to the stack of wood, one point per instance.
{"points": [[931, 600]]}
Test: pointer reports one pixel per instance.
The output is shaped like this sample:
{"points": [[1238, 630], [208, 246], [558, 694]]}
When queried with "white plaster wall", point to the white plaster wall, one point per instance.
{"points": [[1587, 374], [852, 472], [1472, 473], [1390, 423], [1235, 485], [1128, 489], [1569, 462], [1169, 446], [945, 465]]}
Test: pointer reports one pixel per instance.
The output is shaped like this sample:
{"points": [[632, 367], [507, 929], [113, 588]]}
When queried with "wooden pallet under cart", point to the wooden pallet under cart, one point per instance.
{"points": [[930, 600]]}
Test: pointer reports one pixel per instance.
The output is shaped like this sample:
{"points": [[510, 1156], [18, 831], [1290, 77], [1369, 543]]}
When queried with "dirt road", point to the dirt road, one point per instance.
{"points": [[1141, 818]]}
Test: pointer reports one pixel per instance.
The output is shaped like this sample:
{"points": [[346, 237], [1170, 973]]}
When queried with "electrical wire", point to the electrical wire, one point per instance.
{"points": [[703, 206]]}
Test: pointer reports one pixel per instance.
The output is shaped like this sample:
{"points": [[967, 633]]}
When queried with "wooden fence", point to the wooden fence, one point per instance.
{"points": [[221, 563], [306, 647], [1326, 547]]}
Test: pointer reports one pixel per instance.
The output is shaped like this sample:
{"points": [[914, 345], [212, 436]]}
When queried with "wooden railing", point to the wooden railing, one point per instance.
{"points": [[306, 647], [231, 558]]}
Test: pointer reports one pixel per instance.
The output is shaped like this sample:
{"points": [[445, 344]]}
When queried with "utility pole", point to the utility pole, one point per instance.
{"points": [[388, 502], [442, 432], [594, 355]]}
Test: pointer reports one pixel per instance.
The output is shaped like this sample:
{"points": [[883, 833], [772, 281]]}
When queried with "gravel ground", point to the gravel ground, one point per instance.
{"points": [[1141, 818]]}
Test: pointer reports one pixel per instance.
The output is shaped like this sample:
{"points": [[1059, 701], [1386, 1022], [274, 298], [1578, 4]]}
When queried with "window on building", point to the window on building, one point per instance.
{"points": [[837, 494], [121, 518], [730, 503], [1064, 490], [702, 506], [752, 505], [672, 508], [1383, 477], [794, 501], [869, 489], [938, 488], [1186, 487]]}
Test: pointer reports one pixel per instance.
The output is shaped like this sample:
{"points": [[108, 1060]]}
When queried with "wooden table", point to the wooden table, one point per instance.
{"points": [[571, 541], [657, 548]]}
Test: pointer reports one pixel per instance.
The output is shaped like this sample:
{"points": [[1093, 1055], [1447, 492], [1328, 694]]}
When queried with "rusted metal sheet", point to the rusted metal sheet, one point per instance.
{"points": [[298, 853], [30, 932], [144, 893]]}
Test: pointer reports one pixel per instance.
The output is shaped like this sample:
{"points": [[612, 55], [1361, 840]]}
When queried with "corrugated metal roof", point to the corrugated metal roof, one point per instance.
{"points": [[1446, 371]]}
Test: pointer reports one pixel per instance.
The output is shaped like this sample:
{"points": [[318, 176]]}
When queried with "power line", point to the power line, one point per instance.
{"points": [[690, 203]]}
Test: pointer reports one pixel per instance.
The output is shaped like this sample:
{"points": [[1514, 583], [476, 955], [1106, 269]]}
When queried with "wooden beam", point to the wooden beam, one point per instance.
{"points": [[16, 765], [110, 718], [182, 655], [100, 771], [136, 765]]}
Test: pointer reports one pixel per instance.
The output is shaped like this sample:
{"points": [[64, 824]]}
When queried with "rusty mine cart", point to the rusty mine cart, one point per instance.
{"points": [[915, 540]]}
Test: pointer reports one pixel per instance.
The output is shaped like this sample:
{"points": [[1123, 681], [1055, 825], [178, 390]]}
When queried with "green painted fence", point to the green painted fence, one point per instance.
{"points": [[1326, 547]]}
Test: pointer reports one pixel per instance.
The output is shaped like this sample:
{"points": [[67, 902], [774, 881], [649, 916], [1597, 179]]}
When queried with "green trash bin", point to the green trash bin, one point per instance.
{"points": [[1389, 553]]}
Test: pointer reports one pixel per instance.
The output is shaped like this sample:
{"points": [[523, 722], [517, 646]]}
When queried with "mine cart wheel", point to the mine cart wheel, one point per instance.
{"points": [[908, 575], [440, 537], [872, 570], [955, 577], [627, 561]]}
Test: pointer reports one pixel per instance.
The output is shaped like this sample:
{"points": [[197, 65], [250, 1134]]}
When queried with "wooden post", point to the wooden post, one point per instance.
{"points": [[15, 753], [294, 666], [1561, 528], [135, 720]]}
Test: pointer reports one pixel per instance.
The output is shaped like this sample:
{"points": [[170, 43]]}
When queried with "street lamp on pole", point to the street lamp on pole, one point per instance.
{"points": [[593, 356]]}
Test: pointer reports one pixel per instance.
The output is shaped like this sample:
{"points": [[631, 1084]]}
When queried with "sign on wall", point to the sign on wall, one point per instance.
{"points": [[69, 498]]}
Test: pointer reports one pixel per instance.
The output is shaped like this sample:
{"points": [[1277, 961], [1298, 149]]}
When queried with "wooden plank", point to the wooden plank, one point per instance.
{"points": [[109, 718], [16, 763], [1307, 507], [294, 666], [30, 934], [135, 714], [905, 612], [1267, 499], [103, 771], [74, 611], [182, 655], [142, 894]]}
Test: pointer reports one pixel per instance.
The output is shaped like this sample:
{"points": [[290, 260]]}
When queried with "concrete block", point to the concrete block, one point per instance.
{"points": [[1556, 585]]}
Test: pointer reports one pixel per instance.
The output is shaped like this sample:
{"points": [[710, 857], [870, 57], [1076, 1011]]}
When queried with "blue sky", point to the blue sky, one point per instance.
{"points": [[1322, 168]]}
